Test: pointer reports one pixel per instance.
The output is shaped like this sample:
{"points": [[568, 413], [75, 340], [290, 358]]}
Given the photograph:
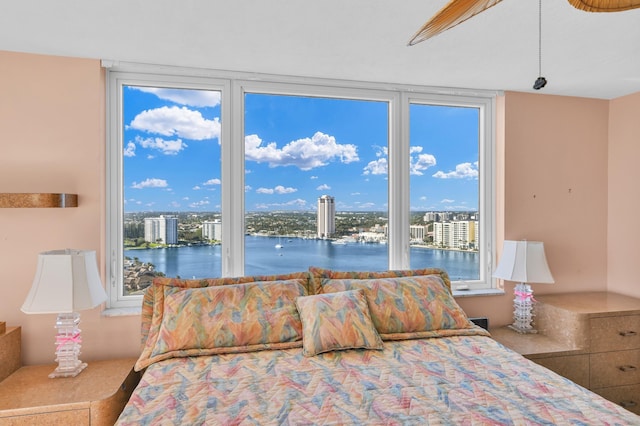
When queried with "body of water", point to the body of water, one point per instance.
{"points": [[262, 257]]}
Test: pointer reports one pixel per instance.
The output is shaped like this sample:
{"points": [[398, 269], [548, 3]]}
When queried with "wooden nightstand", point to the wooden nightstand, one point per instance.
{"points": [[590, 338], [561, 357], [94, 397]]}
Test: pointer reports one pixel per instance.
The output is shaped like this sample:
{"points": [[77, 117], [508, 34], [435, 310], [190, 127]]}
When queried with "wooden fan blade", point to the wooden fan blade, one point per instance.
{"points": [[452, 14], [605, 5]]}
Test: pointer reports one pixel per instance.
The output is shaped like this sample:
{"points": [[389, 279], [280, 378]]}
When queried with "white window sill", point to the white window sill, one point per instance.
{"points": [[478, 292], [122, 312]]}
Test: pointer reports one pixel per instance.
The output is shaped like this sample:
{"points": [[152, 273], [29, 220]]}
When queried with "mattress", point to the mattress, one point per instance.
{"points": [[459, 380]]}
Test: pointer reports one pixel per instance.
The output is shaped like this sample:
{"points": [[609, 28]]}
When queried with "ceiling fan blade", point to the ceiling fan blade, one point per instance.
{"points": [[452, 14], [605, 5]]}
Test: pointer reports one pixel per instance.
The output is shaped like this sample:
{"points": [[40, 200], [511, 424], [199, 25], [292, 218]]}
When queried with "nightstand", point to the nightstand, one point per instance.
{"points": [[561, 357], [592, 339], [96, 396]]}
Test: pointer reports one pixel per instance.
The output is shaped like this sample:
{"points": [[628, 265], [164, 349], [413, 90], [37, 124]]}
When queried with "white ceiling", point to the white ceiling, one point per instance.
{"points": [[583, 54]]}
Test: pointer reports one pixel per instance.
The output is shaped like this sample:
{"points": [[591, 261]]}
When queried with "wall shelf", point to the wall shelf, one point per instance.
{"points": [[37, 200]]}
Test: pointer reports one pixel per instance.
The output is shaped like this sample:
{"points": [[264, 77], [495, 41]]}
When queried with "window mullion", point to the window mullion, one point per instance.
{"points": [[233, 183], [399, 202]]}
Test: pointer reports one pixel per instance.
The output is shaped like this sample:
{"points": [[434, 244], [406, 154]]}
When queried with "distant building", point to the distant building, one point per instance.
{"points": [[418, 232], [326, 216], [461, 234], [212, 230], [163, 229]]}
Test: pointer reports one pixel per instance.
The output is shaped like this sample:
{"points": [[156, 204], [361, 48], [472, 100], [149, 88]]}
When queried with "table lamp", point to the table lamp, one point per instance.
{"points": [[66, 281], [523, 262]]}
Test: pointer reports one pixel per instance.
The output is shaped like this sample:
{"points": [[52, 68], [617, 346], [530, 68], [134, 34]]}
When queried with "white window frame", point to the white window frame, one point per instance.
{"points": [[233, 86]]}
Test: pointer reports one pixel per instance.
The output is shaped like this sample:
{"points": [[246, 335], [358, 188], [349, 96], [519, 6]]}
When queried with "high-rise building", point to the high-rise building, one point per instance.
{"points": [[163, 229], [460, 234], [212, 230], [326, 216]]}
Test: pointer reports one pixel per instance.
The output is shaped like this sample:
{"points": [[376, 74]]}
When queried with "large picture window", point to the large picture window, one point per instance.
{"points": [[220, 175]]}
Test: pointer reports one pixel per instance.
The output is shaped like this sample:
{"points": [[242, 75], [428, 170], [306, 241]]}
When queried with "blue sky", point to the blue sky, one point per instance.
{"points": [[296, 149]]}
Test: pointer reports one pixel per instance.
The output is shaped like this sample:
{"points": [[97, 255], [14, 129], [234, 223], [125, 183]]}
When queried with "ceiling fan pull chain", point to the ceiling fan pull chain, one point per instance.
{"points": [[540, 81]]}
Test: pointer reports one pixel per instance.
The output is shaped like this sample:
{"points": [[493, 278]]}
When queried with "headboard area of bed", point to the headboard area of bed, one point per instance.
{"points": [[183, 318]]}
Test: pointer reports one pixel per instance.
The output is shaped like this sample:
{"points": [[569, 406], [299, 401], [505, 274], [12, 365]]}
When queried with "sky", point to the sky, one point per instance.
{"points": [[296, 150]]}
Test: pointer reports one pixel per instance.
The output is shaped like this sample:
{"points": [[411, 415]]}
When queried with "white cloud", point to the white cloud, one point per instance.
{"points": [[277, 190], [421, 162], [164, 146], [447, 201], [355, 193], [462, 171], [175, 121], [423, 198], [150, 183], [174, 204], [130, 150], [306, 153], [298, 202], [199, 204], [323, 187], [376, 167], [313, 177], [214, 181], [247, 188], [197, 98], [196, 188], [282, 190], [417, 162]]}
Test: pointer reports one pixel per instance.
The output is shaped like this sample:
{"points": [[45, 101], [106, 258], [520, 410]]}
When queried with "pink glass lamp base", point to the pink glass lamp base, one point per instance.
{"points": [[68, 346]]}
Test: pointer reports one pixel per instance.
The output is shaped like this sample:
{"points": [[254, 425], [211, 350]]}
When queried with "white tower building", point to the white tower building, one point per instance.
{"points": [[326, 216], [162, 229]]}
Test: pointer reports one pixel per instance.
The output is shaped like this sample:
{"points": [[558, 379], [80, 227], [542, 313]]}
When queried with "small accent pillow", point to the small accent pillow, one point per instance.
{"points": [[320, 275], [224, 319], [336, 321], [401, 307]]}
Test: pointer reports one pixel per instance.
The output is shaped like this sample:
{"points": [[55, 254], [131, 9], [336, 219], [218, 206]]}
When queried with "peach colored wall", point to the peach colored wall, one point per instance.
{"points": [[624, 195], [52, 120], [52, 140], [556, 185]]}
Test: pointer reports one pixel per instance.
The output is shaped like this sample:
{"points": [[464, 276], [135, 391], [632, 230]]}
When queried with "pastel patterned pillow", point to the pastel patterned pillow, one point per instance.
{"points": [[155, 293], [401, 307], [336, 321], [224, 319], [321, 275]]}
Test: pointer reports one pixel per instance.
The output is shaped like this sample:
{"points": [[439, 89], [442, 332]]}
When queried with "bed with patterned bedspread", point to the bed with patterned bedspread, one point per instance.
{"points": [[335, 348]]}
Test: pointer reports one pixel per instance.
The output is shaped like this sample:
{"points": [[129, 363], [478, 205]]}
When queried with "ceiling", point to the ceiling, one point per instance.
{"points": [[583, 54]]}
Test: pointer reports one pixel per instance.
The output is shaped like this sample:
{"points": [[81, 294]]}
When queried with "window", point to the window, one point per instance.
{"points": [[311, 197], [214, 174]]}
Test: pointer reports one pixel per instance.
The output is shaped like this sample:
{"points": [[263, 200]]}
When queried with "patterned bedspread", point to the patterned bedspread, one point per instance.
{"points": [[463, 380]]}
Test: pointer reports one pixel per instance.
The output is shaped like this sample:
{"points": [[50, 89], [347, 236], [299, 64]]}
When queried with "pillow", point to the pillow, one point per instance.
{"points": [[401, 307], [319, 275], [223, 319], [155, 292], [336, 321]]}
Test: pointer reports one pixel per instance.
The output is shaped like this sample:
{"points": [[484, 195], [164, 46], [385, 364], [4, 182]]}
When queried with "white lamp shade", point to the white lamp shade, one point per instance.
{"points": [[65, 281], [525, 262]]}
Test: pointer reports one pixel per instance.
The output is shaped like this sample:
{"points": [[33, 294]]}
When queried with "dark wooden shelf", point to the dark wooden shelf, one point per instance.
{"points": [[37, 200]]}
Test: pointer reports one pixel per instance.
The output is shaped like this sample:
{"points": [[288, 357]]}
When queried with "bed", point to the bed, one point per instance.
{"points": [[330, 348]]}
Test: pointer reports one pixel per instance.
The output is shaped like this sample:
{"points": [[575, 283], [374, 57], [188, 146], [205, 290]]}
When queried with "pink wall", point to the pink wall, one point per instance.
{"points": [[52, 119], [624, 195], [556, 185]]}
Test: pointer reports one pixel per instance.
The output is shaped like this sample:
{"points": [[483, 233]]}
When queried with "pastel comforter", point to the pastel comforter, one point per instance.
{"points": [[459, 380]]}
